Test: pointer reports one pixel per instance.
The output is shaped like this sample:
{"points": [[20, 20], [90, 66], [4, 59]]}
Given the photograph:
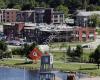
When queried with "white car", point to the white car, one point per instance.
{"points": [[13, 42]]}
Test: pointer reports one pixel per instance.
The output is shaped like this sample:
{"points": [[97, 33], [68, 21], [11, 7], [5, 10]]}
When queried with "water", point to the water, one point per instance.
{"points": [[22, 74]]}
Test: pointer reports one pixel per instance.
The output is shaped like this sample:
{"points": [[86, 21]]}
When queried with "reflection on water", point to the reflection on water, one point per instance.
{"points": [[21, 74]]}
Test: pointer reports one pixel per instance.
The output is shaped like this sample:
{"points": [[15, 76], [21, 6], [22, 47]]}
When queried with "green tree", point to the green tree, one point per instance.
{"points": [[79, 51], [17, 51], [2, 4], [95, 20], [96, 56], [74, 4], [27, 49], [17, 6], [63, 9], [91, 7], [3, 48], [34, 3], [69, 52], [55, 3], [43, 4], [97, 8]]}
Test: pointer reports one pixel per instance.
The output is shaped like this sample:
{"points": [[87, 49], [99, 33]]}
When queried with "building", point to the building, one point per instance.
{"points": [[8, 15], [58, 17], [0, 16], [41, 15], [44, 33], [26, 16], [84, 34], [82, 18], [13, 31], [48, 15]]}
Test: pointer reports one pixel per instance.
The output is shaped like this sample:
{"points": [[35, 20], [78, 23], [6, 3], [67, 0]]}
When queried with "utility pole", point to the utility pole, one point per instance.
{"points": [[84, 4]]}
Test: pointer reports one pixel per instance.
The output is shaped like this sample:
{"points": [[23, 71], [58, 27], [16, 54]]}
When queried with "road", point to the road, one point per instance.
{"points": [[94, 44]]}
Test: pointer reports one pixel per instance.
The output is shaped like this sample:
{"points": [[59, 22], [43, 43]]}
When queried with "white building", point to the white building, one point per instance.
{"points": [[82, 17]]}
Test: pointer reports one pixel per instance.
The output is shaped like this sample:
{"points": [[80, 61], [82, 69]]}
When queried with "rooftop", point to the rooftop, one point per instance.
{"points": [[45, 27], [87, 13], [9, 9]]}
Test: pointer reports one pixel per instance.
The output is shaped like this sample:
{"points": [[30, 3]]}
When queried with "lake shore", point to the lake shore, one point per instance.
{"points": [[89, 69], [92, 78]]}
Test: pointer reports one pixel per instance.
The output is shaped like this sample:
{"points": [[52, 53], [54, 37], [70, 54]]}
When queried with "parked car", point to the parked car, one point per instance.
{"points": [[13, 42], [86, 46]]}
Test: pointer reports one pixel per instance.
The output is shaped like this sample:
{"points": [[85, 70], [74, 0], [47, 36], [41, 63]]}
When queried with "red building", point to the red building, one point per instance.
{"points": [[8, 15], [13, 31], [84, 34]]}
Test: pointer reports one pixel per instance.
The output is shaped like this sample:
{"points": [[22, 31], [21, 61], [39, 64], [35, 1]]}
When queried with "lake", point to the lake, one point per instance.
{"points": [[22, 74]]}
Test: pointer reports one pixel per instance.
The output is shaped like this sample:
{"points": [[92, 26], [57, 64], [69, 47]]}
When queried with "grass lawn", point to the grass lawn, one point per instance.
{"points": [[91, 69], [58, 56], [65, 44], [19, 63]]}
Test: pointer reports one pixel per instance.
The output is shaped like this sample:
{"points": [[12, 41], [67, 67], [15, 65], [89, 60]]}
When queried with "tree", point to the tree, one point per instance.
{"points": [[17, 6], [28, 48], [26, 6], [43, 4], [91, 7], [34, 3], [17, 51], [3, 48], [69, 51], [74, 4], [55, 3], [97, 8], [96, 56], [79, 51], [95, 20], [2, 4], [63, 9]]}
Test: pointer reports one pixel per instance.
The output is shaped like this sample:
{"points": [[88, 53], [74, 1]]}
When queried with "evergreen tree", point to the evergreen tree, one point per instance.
{"points": [[96, 56], [79, 51]]}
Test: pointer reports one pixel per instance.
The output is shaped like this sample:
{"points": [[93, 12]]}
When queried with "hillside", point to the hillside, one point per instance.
{"points": [[64, 5]]}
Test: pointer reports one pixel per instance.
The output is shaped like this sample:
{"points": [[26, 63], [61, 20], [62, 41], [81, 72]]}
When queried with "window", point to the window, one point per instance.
{"points": [[4, 20], [55, 16], [7, 12], [61, 15], [7, 16], [8, 21], [55, 20]]}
